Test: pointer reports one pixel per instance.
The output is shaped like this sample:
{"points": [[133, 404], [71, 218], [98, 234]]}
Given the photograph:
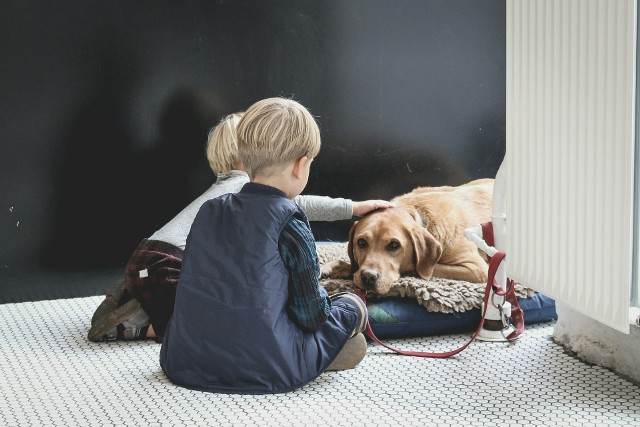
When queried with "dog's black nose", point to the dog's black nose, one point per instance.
{"points": [[369, 278]]}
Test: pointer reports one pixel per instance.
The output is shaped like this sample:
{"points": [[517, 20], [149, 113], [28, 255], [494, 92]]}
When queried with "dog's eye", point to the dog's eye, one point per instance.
{"points": [[362, 243], [393, 246]]}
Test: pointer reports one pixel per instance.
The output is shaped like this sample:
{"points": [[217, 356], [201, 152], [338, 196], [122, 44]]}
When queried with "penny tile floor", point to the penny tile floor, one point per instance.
{"points": [[52, 376]]}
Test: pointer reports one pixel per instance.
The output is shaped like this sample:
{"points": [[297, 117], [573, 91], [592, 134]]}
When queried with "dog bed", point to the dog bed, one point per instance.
{"points": [[418, 307]]}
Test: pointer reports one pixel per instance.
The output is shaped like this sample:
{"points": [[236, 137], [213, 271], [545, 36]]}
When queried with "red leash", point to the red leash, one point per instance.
{"points": [[509, 294]]}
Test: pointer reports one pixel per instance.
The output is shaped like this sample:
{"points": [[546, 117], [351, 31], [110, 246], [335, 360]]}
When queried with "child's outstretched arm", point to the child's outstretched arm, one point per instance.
{"points": [[322, 208]]}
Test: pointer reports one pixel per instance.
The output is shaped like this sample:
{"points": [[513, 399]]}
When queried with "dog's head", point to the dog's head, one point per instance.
{"points": [[389, 243]]}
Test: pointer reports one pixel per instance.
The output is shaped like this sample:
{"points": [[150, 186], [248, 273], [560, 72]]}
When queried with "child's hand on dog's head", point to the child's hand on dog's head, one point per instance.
{"points": [[363, 208]]}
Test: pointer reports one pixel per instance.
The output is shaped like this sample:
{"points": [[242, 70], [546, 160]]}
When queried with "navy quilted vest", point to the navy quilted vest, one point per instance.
{"points": [[230, 331]]}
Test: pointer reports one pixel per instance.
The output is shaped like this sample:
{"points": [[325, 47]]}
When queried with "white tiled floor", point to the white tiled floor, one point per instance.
{"points": [[51, 375]]}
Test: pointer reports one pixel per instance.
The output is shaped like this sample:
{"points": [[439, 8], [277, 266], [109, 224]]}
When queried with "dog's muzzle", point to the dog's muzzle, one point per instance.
{"points": [[369, 278]]}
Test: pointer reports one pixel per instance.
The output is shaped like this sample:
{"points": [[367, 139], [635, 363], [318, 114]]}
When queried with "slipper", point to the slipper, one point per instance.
{"points": [[108, 321], [110, 301]]}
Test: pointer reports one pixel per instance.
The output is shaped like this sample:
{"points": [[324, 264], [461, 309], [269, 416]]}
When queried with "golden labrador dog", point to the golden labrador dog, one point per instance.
{"points": [[422, 235]]}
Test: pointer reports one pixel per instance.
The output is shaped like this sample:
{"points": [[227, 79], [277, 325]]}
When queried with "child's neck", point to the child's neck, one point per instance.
{"points": [[280, 184], [283, 181]]}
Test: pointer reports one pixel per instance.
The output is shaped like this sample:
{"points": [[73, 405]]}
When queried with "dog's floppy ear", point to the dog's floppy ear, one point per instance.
{"points": [[354, 264], [427, 251]]}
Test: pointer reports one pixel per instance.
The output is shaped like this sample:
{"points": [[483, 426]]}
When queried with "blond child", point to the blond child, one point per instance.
{"points": [[140, 306], [250, 315]]}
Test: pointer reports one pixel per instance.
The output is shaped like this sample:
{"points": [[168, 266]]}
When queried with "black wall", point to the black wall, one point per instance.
{"points": [[105, 107]]}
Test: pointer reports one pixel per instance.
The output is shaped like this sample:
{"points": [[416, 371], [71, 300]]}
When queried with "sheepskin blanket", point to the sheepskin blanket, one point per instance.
{"points": [[435, 294]]}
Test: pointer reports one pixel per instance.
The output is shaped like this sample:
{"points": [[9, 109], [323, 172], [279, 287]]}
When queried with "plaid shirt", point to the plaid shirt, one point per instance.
{"points": [[309, 304]]}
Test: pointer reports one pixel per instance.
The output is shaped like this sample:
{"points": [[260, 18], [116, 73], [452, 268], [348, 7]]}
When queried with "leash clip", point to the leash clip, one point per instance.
{"points": [[498, 306]]}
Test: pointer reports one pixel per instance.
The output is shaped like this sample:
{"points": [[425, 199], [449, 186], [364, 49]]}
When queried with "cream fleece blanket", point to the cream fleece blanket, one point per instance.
{"points": [[435, 294]]}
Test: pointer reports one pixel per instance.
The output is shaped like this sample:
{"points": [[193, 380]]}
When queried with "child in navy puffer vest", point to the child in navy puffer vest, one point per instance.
{"points": [[250, 315]]}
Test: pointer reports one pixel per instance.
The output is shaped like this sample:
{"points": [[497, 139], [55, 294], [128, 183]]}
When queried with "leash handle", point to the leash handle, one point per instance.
{"points": [[516, 315]]}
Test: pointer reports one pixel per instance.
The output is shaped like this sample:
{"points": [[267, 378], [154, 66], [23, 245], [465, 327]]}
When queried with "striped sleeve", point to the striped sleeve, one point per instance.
{"points": [[308, 303]]}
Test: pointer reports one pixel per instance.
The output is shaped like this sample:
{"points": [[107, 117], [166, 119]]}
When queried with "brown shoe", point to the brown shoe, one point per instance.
{"points": [[351, 354], [101, 328], [110, 302]]}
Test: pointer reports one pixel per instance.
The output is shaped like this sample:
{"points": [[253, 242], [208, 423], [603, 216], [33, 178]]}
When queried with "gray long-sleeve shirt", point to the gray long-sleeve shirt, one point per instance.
{"points": [[317, 208]]}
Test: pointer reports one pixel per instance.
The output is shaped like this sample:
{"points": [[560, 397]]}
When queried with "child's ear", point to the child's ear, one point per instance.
{"points": [[298, 166]]}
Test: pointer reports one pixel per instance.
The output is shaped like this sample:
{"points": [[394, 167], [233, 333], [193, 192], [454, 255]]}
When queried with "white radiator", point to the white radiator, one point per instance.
{"points": [[571, 69]]}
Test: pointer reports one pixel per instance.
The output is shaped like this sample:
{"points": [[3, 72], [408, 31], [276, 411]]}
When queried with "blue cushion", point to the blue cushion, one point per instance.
{"points": [[396, 317]]}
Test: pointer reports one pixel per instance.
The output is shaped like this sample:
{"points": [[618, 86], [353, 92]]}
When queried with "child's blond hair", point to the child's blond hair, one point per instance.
{"points": [[222, 144], [274, 132]]}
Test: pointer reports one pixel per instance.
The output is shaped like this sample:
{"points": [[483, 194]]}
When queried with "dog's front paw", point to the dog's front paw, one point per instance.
{"points": [[335, 270]]}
